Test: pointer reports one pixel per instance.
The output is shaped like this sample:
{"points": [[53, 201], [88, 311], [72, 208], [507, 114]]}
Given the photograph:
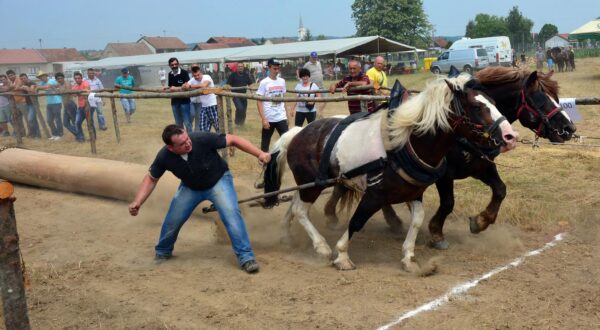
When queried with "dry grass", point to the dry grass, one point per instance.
{"points": [[551, 184]]}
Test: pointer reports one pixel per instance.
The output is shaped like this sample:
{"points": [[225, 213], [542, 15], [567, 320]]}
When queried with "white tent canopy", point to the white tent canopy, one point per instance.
{"points": [[590, 30], [325, 48]]}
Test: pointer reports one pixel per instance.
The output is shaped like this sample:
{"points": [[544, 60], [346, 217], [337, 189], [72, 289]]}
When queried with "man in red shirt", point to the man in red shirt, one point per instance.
{"points": [[355, 79], [82, 85]]}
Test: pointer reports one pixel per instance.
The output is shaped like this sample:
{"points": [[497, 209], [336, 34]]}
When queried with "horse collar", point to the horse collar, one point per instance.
{"points": [[406, 163]]}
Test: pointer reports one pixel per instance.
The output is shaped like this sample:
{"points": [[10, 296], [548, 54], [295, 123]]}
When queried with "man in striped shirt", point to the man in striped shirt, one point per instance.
{"points": [[355, 79]]}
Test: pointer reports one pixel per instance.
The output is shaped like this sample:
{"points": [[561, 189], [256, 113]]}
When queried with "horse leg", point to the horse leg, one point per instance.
{"points": [[367, 206], [330, 206], [488, 216], [299, 209], [408, 248], [392, 218], [445, 188]]}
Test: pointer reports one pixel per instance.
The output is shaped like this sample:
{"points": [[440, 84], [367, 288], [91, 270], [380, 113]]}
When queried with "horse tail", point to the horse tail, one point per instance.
{"points": [[348, 198], [276, 166]]}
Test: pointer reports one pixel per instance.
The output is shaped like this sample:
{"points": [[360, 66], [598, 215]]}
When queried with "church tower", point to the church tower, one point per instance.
{"points": [[301, 30]]}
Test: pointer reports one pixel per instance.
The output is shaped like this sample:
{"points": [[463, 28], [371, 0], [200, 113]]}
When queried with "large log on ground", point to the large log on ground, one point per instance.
{"points": [[94, 176]]}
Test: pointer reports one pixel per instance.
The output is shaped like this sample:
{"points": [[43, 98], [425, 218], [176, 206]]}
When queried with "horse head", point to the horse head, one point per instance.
{"points": [[476, 118], [540, 111]]}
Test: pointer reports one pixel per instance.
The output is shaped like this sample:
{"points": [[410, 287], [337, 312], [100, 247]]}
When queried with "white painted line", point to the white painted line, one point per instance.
{"points": [[466, 286]]}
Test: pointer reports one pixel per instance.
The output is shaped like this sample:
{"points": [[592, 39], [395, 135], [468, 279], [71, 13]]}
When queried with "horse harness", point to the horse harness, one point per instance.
{"points": [[404, 161], [545, 118]]}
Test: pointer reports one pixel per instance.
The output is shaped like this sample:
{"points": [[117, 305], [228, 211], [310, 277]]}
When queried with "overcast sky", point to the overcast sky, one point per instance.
{"points": [[91, 25]]}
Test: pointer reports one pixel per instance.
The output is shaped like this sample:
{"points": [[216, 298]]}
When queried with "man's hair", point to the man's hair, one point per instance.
{"points": [[23, 74], [9, 72], [304, 73], [173, 59], [195, 69], [77, 74], [59, 74], [91, 69], [3, 76], [171, 130]]}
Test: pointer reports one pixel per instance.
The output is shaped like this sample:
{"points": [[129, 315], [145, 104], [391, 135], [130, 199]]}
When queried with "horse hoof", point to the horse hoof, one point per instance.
{"points": [[411, 267], [474, 226], [440, 245], [344, 264], [324, 251]]}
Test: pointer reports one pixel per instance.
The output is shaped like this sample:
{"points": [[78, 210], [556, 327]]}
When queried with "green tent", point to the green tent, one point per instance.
{"points": [[590, 30]]}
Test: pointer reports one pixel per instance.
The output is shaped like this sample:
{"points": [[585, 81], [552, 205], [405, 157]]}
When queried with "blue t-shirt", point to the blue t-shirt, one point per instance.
{"points": [[52, 99], [129, 82]]}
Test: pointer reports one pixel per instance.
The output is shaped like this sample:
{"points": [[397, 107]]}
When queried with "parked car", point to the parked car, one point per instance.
{"points": [[469, 60], [498, 48]]}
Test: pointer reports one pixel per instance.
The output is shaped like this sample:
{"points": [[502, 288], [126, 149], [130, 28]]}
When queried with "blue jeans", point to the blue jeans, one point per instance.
{"points": [[69, 116], [223, 196], [79, 118], [181, 112], [32, 122], [128, 105], [100, 114], [195, 108], [53, 119], [240, 110]]}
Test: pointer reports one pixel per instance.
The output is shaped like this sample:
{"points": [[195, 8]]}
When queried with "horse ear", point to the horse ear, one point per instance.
{"points": [[454, 72], [531, 79], [396, 95]]}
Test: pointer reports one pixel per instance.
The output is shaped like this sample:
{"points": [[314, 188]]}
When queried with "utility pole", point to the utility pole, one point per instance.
{"points": [[40, 40]]}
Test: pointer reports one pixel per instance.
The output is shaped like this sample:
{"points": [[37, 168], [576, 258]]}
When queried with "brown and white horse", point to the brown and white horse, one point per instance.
{"points": [[411, 142]]}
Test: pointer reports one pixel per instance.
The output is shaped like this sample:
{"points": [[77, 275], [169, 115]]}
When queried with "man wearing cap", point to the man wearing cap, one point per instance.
{"points": [[126, 80], [354, 79], [205, 105], [53, 105], [316, 77], [179, 105], [272, 114]]}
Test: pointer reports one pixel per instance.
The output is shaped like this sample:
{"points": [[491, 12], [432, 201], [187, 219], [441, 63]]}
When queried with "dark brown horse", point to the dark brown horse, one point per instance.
{"points": [[531, 98], [411, 142]]}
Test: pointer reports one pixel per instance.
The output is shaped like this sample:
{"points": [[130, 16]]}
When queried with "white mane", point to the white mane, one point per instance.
{"points": [[425, 112]]}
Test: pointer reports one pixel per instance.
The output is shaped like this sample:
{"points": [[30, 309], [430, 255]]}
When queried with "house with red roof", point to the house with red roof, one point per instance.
{"points": [[160, 45], [223, 42], [114, 49], [28, 61]]}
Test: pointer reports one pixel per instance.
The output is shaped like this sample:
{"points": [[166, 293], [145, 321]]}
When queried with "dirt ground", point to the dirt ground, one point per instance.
{"points": [[91, 264], [91, 267]]}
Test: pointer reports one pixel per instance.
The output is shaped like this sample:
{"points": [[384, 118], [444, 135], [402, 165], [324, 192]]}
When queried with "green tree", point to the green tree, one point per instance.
{"points": [[519, 28], [401, 20], [321, 37], [486, 25], [308, 36], [546, 32]]}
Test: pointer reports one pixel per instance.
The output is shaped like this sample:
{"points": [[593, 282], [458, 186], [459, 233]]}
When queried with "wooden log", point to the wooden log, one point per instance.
{"points": [[40, 117], [11, 275], [587, 101], [113, 111], [220, 112]]}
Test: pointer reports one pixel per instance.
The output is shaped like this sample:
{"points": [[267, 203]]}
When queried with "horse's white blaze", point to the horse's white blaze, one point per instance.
{"points": [[508, 133], [417, 214], [562, 111], [359, 144]]}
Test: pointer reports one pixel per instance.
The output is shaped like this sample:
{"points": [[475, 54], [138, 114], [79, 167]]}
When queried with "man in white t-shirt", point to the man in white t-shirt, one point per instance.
{"points": [[162, 75], [207, 115], [272, 114]]}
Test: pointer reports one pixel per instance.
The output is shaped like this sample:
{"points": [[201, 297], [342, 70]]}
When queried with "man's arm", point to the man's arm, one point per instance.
{"points": [[145, 189], [261, 114], [247, 147]]}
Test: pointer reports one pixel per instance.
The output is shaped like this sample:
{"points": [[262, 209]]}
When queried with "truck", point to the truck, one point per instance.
{"points": [[498, 48]]}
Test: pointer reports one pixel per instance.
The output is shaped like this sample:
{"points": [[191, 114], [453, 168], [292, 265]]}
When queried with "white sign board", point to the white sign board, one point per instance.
{"points": [[568, 105]]}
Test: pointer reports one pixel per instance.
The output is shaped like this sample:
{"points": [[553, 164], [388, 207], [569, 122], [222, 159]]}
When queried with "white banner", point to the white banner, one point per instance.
{"points": [[568, 105]]}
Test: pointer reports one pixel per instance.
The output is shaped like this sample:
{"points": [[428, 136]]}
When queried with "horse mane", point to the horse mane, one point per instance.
{"points": [[425, 112], [499, 75]]}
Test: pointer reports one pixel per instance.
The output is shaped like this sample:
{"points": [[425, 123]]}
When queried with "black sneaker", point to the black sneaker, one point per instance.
{"points": [[250, 266], [161, 258]]}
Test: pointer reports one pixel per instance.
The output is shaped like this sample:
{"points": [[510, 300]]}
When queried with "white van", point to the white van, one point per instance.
{"points": [[498, 48], [467, 60]]}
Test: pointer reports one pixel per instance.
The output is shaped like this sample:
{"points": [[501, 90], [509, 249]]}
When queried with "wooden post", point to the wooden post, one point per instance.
{"points": [[18, 129], [115, 119], [40, 117], [11, 276], [364, 106], [220, 111], [230, 129], [90, 127]]}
